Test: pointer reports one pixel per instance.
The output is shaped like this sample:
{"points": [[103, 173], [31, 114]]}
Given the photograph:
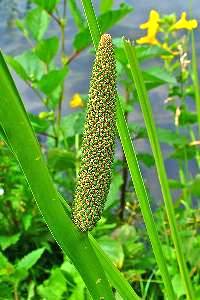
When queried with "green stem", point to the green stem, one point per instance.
{"points": [[151, 130], [143, 199], [196, 80]]}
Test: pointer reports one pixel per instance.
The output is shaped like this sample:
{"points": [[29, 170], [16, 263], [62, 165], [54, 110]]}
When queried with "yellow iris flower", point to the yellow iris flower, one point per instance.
{"points": [[152, 27], [76, 101], [183, 23]]}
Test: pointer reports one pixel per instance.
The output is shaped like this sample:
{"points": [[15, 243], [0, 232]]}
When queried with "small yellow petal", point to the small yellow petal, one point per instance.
{"points": [[148, 40], [76, 101], [183, 23]]}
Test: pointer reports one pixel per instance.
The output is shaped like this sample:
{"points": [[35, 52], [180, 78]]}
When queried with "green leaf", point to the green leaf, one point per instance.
{"points": [[182, 152], [17, 67], [77, 16], [48, 5], [147, 159], [147, 52], [113, 195], [73, 124], [31, 64], [49, 82], [74, 279], [105, 5], [106, 21], [178, 285], [194, 186], [161, 74], [47, 49], [175, 184], [7, 241], [60, 159], [171, 137], [36, 22], [30, 259], [6, 291], [39, 125], [114, 250], [187, 117], [157, 76], [143, 52], [54, 287], [17, 129], [5, 267]]}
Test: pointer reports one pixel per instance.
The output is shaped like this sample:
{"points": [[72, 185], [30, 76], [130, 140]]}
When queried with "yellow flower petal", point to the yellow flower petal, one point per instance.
{"points": [[76, 101], [147, 40], [154, 17], [183, 23], [152, 26]]}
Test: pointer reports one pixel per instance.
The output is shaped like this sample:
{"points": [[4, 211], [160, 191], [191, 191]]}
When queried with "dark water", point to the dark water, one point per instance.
{"points": [[12, 42]]}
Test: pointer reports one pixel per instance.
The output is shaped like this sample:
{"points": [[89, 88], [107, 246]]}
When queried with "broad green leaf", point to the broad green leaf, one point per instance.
{"points": [[178, 285], [147, 52], [161, 74], [74, 280], [106, 21], [39, 125], [54, 287], [48, 5], [194, 186], [6, 241], [5, 266], [77, 16], [171, 137], [175, 184], [6, 291], [114, 250], [31, 64], [73, 124], [143, 52], [17, 67], [105, 5], [154, 77], [146, 158], [182, 152], [49, 82], [187, 117], [60, 159], [47, 49], [30, 259], [36, 22]]}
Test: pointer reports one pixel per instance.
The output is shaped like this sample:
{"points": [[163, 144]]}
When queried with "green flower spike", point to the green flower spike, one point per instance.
{"points": [[98, 144]]}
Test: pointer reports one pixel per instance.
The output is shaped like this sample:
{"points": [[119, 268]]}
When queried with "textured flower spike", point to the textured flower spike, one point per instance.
{"points": [[97, 149]]}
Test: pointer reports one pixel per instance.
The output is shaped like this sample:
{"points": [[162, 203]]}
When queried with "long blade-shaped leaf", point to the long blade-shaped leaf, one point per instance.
{"points": [[19, 134], [153, 138]]}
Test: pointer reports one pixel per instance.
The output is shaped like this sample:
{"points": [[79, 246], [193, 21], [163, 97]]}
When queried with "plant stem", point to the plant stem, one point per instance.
{"points": [[124, 170], [151, 130], [196, 80]]}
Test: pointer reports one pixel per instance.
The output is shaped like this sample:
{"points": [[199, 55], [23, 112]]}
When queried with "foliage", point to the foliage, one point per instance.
{"points": [[31, 264]]}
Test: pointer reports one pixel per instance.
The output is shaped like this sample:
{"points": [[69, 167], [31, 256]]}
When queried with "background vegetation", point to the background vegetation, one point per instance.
{"points": [[32, 266]]}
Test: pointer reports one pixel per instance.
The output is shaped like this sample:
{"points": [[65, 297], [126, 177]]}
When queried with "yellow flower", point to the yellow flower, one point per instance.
{"points": [[185, 24], [76, 101], [148, 40], [152, 27]]}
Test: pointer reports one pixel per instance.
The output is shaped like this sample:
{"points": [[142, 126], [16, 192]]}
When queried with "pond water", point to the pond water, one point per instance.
{"points": [[12, 42]]}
